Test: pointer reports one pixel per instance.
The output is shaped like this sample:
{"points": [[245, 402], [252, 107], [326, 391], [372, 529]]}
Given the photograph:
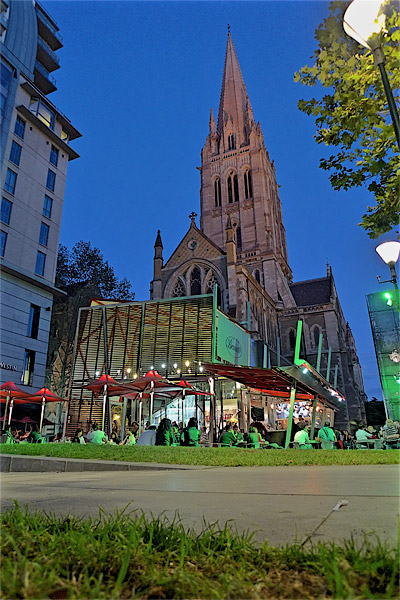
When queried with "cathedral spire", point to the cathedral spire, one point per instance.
{"points": [[234, 104]]}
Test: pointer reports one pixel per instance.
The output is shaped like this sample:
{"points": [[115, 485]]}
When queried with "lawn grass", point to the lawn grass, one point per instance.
{"points": [[213, 457], [131, 556]]}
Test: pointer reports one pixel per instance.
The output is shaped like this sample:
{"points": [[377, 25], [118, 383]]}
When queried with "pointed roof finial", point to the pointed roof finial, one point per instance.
{"points": [[158, 240], [193, 216], [229, 29]]}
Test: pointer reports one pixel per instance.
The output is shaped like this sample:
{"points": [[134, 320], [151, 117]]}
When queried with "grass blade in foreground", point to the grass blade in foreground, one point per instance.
{"points": [[130, 556]]}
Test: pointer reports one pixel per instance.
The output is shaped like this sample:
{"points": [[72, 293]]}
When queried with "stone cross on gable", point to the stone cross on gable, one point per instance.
{"points": [[193, 216]]}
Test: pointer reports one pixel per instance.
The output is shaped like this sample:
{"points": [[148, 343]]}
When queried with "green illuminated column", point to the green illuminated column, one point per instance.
{"points": [[298, 341], [291, 411], [328, 368], [319, 353]]}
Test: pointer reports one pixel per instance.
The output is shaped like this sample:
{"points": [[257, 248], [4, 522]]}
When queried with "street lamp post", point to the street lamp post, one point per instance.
{"points": [[389, 253], [363, 21]]}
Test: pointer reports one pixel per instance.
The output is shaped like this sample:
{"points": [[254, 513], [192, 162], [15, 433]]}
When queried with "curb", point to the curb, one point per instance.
{"points": [[10, 463]]}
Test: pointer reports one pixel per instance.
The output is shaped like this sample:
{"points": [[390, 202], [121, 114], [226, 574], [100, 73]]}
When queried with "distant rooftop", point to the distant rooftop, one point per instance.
{"points": [[312, 291]]}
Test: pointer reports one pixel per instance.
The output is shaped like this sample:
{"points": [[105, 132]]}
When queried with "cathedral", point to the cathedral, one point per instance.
{"points": [[240, 248]]}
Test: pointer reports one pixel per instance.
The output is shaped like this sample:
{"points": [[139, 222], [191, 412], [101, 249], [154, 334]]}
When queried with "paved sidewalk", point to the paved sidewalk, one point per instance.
{"points": [[281, 504]]}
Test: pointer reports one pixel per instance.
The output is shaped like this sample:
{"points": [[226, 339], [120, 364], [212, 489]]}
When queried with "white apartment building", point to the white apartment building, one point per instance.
{"points": [[35, 151]]}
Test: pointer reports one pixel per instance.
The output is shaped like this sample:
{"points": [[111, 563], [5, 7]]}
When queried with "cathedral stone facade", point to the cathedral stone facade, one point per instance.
{"points": [[241, 248]]}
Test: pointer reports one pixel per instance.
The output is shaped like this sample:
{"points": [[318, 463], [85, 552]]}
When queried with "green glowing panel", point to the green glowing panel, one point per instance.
{"points": [[233, 342], [383, 308]]}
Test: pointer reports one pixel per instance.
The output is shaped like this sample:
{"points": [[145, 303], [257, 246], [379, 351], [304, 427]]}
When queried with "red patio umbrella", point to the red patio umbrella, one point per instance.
{"points": [[10, 391], [26, 420], [150, 383], [187, 388], [107, 384], [44, 395]]}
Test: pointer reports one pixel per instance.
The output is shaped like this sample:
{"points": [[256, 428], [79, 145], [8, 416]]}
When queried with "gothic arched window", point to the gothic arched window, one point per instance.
{"points": [[238, 238], [236, 188], [292, 339], [230, 191], [231, 142], [195, 282], [217, 192], [179, 289], [256, 275], [233, 188], [316, 332], [248, 187], [211, 283]]}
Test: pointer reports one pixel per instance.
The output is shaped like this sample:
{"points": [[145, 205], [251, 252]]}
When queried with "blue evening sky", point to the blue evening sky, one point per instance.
{"points": [[138, 80]]}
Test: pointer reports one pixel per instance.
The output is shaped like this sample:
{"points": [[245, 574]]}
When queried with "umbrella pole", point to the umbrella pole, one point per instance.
{"points": [[103, 420], [3, 425], [11, 409], [183, 408], [41, 414], [151, 402], [65, 421], [140, 416]]}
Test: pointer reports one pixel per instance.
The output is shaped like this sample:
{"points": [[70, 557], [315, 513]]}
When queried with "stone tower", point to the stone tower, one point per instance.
{"points": [[238, 180]]}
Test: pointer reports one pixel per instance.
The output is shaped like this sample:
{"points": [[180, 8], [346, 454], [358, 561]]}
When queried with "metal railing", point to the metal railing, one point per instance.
{"points": [[49, 51], [49, 25], [45, 72]]}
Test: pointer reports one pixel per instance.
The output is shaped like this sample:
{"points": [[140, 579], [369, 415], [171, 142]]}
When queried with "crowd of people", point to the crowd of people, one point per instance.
{"points": [[169, 433]]}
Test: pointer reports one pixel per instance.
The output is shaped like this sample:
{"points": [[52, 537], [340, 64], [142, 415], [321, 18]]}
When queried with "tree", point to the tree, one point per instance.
{"points": [[354, 117], [83, 274]]}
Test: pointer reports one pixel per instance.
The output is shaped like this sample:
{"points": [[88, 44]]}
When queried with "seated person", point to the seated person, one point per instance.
{"points": [[190, 435], [390, 433], [129, 439], [238, 434], [228, 438], [362, 436], [327, 437], [78, 437], [204, 437], [57, 438], [301, 438], [148, 437], [10, 439], [165, 435], [253, 439], [99, 437], [34, 437]]}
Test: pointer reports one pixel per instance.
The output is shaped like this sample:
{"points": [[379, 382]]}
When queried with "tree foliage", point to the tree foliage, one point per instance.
{"points": [[353, 115], [83, 274]]}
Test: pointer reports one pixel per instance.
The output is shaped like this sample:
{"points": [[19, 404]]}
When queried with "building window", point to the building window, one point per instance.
{"points": [[5, 79], [248, 186], [15, 153], [40, 262], [51, 180], [257, 276], [195, 282], [33, 322], [233, 188], [11, 179], [231, 142], [54, 155], [42, 112], [47, 206], [217, 192], [212, 282], [238, 238], [65, 136], [292, 339], [29, 365], [3, 241], [316, 333], [179, 289], [6, 206], [19, 128], [44, 234]]}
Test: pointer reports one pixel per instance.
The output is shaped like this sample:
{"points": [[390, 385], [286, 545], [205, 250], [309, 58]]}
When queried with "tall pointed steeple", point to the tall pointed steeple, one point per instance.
{"points": [[238, 180], [234, 105]]}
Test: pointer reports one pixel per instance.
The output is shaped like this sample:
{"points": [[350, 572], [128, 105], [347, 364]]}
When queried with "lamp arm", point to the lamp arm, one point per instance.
{"points": [[379, 60]]}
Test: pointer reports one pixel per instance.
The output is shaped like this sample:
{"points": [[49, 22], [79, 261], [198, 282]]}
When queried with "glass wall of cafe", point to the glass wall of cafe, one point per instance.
{"points": [[125, 340]]}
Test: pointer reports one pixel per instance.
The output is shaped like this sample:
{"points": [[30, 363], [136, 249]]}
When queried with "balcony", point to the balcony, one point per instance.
{"points": [[46, 56], [42, 78], [4, 6], [48, 31]]}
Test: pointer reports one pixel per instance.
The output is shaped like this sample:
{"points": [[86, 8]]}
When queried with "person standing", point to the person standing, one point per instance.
{"points": [[327, 437]]}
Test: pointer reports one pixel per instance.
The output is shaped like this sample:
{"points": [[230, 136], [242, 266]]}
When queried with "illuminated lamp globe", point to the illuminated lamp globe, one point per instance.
{"points": [[389, 252], [363, 19]]}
